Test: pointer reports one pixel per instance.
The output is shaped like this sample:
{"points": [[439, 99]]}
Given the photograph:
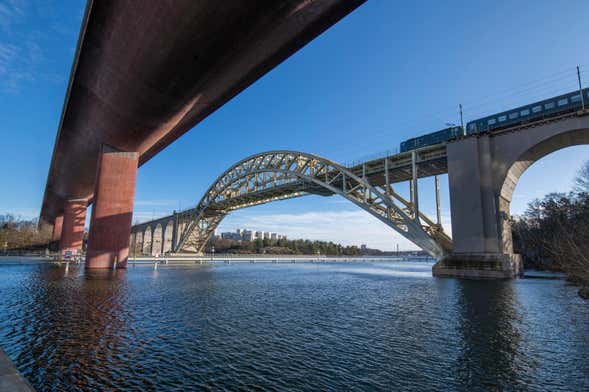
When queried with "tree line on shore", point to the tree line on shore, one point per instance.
{"points": [[553, 233], [19, 234], [281, 246]]}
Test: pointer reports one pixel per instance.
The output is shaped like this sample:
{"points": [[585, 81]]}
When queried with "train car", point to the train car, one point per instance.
{"points": [[532, 112], [431, 138]]}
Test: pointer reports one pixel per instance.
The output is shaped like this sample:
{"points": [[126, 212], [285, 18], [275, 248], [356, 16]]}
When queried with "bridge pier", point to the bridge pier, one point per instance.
{"points": [[483, 172], [479, 266], [74, 219], [481, 232], [57, 228], [112, 211]]}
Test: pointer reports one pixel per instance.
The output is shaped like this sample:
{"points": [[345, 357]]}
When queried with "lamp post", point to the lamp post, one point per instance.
{"points": [[580, 89]]}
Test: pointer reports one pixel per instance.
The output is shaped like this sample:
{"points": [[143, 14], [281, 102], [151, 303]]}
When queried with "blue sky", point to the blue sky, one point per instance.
{"points": [[387, 72]]}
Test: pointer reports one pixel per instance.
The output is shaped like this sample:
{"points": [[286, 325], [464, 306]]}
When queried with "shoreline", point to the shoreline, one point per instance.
{"points": [[10, 378], [221, 259]]}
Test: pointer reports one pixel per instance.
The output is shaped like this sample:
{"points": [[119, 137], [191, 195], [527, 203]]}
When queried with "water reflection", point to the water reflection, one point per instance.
{"points": [[112, 276], [73, 324], [363, 326], [491, 334]]}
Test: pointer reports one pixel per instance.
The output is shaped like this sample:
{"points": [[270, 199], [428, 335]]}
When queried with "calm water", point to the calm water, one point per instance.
{"points": [[345, 326]]}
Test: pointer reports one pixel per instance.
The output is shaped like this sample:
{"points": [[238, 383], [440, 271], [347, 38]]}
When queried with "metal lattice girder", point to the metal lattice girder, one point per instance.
{"points": [[278, 175]]}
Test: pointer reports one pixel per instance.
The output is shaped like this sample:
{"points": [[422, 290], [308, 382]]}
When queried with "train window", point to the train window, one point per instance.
{"points": [[491, 121], [525, 112], [576, 98], [471, 127], [513, 115], [502, 118], [562, 102], [549, 105], [537, 109]]}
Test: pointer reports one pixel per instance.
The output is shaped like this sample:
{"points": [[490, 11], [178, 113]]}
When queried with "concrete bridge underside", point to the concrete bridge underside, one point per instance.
{"points": [[144, 73]]}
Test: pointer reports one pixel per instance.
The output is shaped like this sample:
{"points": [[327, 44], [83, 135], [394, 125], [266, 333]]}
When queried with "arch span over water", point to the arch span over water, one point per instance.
{"points": [[278, 175]]}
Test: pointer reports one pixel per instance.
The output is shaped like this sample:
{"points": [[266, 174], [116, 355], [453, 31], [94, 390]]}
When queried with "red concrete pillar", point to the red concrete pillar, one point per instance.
{"points": [[112, 210], [57, 228], [74, 219]]}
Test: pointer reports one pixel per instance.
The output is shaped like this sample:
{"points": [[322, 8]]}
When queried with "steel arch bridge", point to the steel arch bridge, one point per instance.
{"points": [[278, 175]]}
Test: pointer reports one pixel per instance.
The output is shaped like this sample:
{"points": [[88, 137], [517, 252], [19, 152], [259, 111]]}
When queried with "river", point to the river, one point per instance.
{"points": [[306, 326]]}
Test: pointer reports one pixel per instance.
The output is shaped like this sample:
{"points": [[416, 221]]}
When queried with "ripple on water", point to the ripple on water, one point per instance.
{"points": [[356, 326]]}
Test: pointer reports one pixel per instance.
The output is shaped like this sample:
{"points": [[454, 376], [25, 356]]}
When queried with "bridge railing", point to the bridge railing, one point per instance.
{"points": [[370, 157]]}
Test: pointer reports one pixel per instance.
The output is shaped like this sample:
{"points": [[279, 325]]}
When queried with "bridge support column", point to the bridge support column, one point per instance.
{"points": [[175, 227], [57, 228], [113, 209], [74, 219], [480, 249]]}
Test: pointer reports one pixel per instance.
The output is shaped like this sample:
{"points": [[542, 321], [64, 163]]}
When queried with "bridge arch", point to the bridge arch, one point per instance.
{"points": [[137, 244], [132, 242], [157, 240], [277, 175], [168, 234], [147, 241], [528, 147]]}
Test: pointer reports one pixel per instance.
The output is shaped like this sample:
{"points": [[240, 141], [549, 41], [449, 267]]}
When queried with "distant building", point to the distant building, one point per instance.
{"points": [[231, 236], [248, 235]]}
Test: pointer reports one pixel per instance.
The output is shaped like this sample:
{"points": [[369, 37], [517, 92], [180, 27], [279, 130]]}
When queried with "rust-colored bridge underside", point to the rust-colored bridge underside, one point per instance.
{"points": [[146, 72]]}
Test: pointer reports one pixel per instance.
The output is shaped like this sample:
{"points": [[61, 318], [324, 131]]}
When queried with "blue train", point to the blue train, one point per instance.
{"points": [[547, 108], [431, 138]]}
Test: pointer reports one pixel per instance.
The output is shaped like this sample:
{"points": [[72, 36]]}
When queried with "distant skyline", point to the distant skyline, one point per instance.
{"points": [[383, 74]]}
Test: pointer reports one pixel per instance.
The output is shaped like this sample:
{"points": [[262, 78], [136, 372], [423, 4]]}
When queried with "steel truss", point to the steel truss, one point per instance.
{"points": [[277, 175]]}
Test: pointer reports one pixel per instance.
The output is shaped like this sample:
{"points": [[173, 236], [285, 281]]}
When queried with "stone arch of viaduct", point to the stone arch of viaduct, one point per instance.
{"points": [[483, 173], [155, 237]]}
